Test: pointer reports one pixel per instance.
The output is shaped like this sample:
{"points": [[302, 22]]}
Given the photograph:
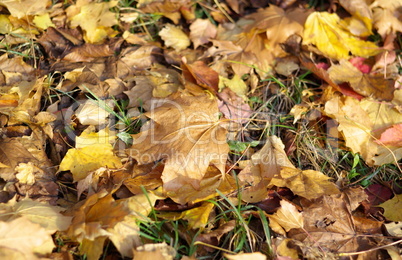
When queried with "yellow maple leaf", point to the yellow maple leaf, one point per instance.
{"points": [[390, 207], [94, 18], [308, 184], [330, 35], [81, 161]]}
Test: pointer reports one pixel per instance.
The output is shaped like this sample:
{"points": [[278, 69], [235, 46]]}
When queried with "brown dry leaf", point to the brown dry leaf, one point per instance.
{"points": [[361, 123], [174, 37], [187, 133], [386, 16], [287, 217], [23, 8], [330, 224], [18, 155], [81, 161], [267, 162], [234, 52], [212, 181], [160, 251], [390, 207], [329, 35], [263, 166], [199, 73], [246, 256], [94, 18], [20, 236], [367, 85], [47, 216], [202, 31], [278, 25], [309, 184], [167, 8], [91, 220]]}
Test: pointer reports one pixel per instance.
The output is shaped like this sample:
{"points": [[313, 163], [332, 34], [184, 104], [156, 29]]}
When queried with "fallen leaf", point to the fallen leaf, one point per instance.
{"points": [[389, 208], [365, 84], [246, 256], [278, 25], [287, 217], [94, 18], [394, 228], [201, 32], [234, 107], [392, 136], [309, 184], [23, 8], [81, 161], [174, 37], [386, 16], [361, 123], [22, 236], [47, 216], [199, 73], [187, 139], [159, 251], [360, 24], [325, 31], [93, 112]]}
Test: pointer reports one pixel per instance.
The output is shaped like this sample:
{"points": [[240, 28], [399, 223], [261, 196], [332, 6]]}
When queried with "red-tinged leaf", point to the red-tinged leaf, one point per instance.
{"points": [[199, 73], [392, 136], [358, 62]]}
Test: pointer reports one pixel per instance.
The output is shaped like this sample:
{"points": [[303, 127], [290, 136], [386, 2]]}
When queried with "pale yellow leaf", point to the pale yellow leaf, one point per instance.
{"points": [[26, 237], [47, 216], [288, 216], [174, 37], [160, 251], [26, 173]]}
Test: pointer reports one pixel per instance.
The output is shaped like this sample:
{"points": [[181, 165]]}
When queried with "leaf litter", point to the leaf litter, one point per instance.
{"points": [[230, 129]]}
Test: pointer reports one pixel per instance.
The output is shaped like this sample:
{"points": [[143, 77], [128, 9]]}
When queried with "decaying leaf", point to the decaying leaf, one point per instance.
{"points": [[308, 184], [188, 140], [326, 31], [386, 16], [245, 256]]}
